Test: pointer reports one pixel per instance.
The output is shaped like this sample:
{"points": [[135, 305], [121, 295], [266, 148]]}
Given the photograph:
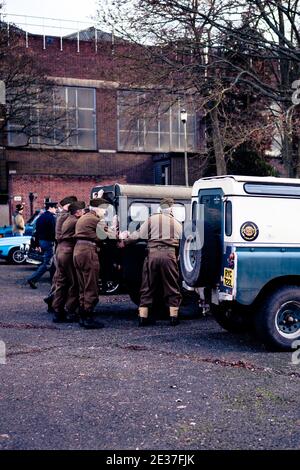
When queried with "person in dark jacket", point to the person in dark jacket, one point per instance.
{"points": [[45, 237]]}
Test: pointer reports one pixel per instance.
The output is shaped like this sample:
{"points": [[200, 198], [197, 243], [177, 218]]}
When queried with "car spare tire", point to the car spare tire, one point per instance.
{"points": [[200, 254]]}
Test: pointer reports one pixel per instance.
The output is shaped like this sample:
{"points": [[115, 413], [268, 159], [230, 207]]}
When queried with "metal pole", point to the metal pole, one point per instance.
{"points": [[186, 171]]}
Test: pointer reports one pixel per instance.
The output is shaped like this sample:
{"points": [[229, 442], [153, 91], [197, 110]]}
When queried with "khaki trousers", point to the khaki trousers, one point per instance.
{"points": [[66, 286], [87, 267], [160, 269]]}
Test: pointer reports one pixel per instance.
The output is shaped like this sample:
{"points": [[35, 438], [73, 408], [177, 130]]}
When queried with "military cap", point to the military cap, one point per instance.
{"points": [[68, 200], [76, 206], [167, 202], [98, 202], [50, 204]]}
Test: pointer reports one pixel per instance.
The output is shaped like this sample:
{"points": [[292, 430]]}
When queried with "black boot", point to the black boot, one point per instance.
{"points": [[81, 316], [60, 317], [146, 321], [89, 323], [48, 300], [72, 317], [174, 321]]}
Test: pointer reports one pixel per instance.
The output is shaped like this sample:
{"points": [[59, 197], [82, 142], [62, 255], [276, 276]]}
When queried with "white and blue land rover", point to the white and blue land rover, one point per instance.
{"points": [[243, 246]]}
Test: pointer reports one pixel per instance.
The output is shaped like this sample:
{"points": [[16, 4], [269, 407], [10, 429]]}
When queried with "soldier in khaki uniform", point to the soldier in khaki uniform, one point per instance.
{"points": [[61, 217], [66, 299], [163, 233], [90, 228]]}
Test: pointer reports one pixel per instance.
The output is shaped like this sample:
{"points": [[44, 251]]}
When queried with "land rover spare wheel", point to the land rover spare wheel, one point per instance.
{"points": [[200, 254]]}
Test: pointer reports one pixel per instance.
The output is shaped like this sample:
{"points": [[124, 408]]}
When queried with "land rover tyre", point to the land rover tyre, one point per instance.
{"points": [[200, 261], [233, 317], [109, 287], [16, 256], [278, 319]]}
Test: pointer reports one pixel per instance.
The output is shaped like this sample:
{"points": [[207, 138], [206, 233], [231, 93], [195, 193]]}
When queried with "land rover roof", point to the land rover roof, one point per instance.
{"points": [[241, 185], [143, 191]]}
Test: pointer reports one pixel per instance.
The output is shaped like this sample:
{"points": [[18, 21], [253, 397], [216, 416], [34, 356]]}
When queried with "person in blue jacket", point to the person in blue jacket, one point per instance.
{"points": [[45, 237]]}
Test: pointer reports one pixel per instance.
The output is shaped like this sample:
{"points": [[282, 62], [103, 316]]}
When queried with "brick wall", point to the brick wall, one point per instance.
{"points": [[137, 168], [53, 187], [57, 173], [195, 169]]}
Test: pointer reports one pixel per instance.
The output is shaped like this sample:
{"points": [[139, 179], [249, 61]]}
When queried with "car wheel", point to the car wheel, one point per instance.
{"points": [[109, 287], [233, 317], [277, 321], [200, 255], [16, 256]]}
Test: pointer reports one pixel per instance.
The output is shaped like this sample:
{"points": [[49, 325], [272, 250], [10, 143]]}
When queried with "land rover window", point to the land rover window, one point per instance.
{"points": [[179, 212], [272, 189], [211, 208], [194, 211], [138, 212], [228, 218]]}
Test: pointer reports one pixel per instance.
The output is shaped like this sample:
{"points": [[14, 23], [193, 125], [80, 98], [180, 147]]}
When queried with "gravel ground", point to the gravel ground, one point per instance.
{"points": [[190, 387]]}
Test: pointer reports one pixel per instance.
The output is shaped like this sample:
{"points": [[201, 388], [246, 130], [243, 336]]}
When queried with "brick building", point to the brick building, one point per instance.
{"points": [[107, 145]]}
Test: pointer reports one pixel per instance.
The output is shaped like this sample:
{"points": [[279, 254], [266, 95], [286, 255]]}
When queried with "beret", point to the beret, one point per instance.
{"points": [[68, 200], [98, 202], [76, 206]]}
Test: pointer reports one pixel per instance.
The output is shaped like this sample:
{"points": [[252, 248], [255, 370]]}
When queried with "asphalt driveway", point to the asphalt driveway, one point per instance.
{"points": [[194, 386]]}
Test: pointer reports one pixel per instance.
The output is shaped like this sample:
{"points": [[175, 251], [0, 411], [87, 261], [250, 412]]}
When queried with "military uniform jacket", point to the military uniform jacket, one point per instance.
{"points": [[68, 230], [61, 218], [159, 230], [90, 227]]}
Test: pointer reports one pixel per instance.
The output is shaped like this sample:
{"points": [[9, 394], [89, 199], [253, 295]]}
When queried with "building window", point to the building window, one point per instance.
{"points": [[165, 174], [72, 116], [150, 125], [162, 172]]}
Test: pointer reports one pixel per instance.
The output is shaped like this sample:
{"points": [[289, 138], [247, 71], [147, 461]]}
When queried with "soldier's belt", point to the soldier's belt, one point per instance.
{"points": [[70, 243], [86, 242], [161, 248]]}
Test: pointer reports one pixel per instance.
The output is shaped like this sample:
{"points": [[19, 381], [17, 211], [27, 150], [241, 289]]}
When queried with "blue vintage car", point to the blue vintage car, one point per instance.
{"points": [[12, 248], [6, 231]]}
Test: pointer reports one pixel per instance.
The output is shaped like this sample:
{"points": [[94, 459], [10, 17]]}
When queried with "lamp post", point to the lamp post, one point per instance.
{"points": [[183, 118], [31, 197]]}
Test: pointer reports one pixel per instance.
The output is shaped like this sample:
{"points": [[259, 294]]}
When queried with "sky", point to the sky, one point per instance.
{"points": [[60, 9]]}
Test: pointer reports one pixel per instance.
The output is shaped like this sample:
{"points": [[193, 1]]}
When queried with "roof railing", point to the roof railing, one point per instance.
{"points": [[63, 29]]}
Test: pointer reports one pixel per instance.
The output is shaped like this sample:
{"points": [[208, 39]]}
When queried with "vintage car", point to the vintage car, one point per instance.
{"points": [[133, 204], [11, 248], [241, 251]]}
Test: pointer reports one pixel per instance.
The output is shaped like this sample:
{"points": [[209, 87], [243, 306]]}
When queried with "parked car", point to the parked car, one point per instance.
{"points": [[133, 204], [11, 248], [242, 249], [6, 230], [32, 253]]}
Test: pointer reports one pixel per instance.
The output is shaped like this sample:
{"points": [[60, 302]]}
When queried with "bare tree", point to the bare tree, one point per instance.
{"points": [[33, 106], [216, 51]]}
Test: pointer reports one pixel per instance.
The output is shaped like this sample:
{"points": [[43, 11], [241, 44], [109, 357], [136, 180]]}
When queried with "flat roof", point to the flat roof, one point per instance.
{"points": [[234, 184], [148, 191]]}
